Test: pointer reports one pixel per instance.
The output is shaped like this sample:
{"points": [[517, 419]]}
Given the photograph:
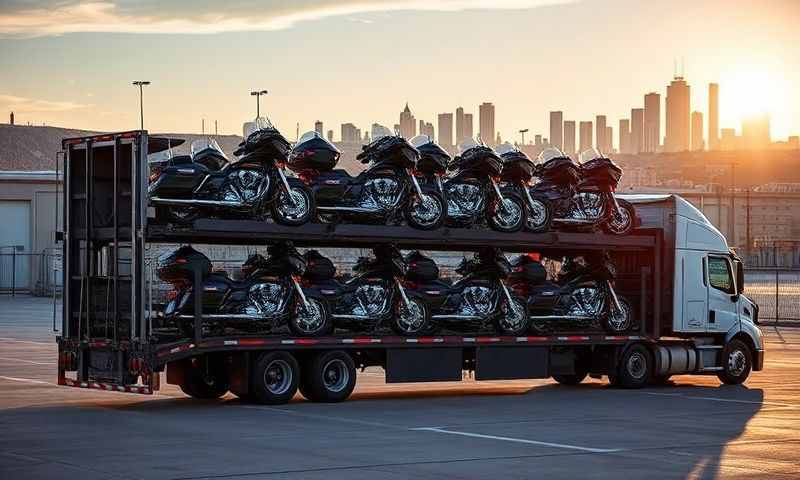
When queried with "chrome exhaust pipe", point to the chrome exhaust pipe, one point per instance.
{"points": [[573, 220], [456, 317], [195, 202], [347, 209], [231, 316], [560, 317]]}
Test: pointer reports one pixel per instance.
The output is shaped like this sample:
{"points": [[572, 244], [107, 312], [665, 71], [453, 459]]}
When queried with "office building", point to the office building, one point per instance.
{"points": [[624, 136], [486, 131], [445, 124], [330, 136], [426, 128], [537, 140], [713, 116], [697, 131], [569, 137], [468, 132], [459, 125], [350, 133], [557, 129], [318, 127], [678, 107], [609, 139], [637, 130], [585, 136], [600, 132], [652, 123], [408, 124]]}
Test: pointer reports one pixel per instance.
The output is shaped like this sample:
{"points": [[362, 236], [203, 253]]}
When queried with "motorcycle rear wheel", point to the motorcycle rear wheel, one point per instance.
{"points": [[302, 211], [509, 216], [427, 213]]}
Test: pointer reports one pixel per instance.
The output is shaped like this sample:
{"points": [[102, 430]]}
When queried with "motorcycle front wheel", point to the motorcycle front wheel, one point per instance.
{"points": [[507, 216], [311, 321], [412, 319], [513, 318], [619, 321], [539, 216], [622, 222], [427, 212], [295, 208]]}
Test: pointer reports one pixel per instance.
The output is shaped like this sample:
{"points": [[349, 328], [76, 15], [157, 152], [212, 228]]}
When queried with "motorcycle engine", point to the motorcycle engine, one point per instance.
{"points": [[586, 206], [476, 301], [586, 302], [245, 186], [266, 299], [463, 200], [371, 300], [381, 194]]}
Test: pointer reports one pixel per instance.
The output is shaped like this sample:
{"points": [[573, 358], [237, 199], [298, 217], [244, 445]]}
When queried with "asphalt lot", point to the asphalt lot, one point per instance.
{"points": [[523, 429]]}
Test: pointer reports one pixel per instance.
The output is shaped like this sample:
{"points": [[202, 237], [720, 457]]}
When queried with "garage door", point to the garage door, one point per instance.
{"points": [[15, 245]]}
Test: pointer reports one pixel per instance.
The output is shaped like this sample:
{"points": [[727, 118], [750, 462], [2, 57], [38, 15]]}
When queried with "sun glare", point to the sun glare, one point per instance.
{"points": [[748, 92]]}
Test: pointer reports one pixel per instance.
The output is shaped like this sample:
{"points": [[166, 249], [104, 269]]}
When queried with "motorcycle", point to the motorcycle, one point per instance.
{"points": [[581, 195], [432, 163], [473, 193], [208, 184], [480, 298], [385, 192], [268, 297], [518, 174], [376, 296], [582, 296]]}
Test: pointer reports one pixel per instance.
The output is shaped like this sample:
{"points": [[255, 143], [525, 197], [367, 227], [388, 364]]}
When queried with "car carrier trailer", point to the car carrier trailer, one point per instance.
{"points": [[685, 283]]}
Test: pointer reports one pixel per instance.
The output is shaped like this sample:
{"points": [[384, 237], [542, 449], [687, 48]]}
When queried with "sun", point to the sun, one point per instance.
{"points": [[746, 92]]}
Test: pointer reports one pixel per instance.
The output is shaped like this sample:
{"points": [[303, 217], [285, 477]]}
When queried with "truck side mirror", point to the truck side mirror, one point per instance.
{"points": [[739, 277]]}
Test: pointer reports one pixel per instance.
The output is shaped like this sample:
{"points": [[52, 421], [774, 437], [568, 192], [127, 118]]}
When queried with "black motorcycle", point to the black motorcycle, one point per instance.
{"points": [[432, 163], [473, 191], [269, 297], [581, 195], [383, 193], [208, 184], [582, 297], [376, 296], [479, 299], [518, 174]]}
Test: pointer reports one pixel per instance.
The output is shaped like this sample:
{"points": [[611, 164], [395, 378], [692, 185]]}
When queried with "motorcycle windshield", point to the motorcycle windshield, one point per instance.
{"points": [[548, 154], [260, 123], [206, 144], [505, 148], [421, 140], [466, 145], [589, 154]]}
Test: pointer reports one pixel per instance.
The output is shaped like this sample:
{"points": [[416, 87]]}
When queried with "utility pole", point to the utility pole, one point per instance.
{"points": [[216, 132], [523, 132], [140, 84], [257, 94]]}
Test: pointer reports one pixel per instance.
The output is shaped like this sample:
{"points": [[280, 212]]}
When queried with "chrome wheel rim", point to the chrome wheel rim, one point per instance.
{"points": [[637, 365], [508, 214], [426, 210], [737, 363], [620, 221], [411, 317], [293, 206], [335, 375], [514, 317], [310, 319], [537, 214], [619, 319], [278, 377]]}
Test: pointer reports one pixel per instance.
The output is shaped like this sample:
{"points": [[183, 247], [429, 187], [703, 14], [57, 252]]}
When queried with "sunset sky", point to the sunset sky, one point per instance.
{"points": [[70, 63]]}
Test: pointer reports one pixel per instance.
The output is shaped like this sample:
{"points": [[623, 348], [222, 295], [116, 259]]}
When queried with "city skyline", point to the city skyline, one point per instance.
{"points": [[354, 80]]}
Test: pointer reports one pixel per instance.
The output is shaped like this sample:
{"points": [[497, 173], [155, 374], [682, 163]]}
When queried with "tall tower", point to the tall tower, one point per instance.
{"points": [[459, 125], [486, 112], [446, 128], [678, 107], [697, 131], [585, 139], [468, 131], [11, 118], [609, 138], [318, 127], [713, 116], [569, 137], [408, 124], [557, 129], [637, 130], [624, 136], [600, 132], [652, 122]]}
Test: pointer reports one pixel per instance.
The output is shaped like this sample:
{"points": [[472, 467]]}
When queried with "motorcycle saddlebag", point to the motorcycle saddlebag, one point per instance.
{"points": [[318, 266], [421, 268], [181, 264], [524, 268], [315, 153]]}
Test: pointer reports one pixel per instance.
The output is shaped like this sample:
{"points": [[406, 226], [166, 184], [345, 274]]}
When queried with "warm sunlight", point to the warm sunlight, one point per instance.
{"points": [[748, 91]]}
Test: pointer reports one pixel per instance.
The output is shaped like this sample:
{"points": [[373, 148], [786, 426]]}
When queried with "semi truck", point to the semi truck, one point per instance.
{"points": [[684, 282]]}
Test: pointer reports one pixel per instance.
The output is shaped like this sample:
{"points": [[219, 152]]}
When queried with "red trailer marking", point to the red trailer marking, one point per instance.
{"points": [[145, 390]]}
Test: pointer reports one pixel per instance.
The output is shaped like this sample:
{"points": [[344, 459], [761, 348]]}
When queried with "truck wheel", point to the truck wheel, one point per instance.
{"points": [[636, 368], [331, 377], [571, 379], [205, 384], [274, 378], [737, 361]]}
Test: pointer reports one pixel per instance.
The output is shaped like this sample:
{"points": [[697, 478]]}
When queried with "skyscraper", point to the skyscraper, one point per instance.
{"points": [[609, 139], [426, 128], [459, 125], [446, 128], [652, 122], [408, 124], [557, 129], [637, 130], [585, 138], [350, 134], [600, 132], [468, 132], [569, 137], [678, 107], [330, 136], [486, 112], [713, 116], [755, 131], [624, 136], [697, 131], [318, 127]]}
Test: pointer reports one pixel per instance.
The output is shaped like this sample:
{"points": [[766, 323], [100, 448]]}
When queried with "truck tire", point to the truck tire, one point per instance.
{"points": [[274, 378], [571, 379], [330, 377], [636, 368], [737, 361], [205, 384]]}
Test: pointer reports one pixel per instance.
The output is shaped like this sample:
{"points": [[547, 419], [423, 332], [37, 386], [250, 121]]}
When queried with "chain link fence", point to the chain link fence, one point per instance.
{"points": [[38, 274], [777, 293]]}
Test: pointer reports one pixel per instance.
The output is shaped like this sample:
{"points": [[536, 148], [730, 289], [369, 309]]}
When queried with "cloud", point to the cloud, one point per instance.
{"points": [[23, 104], [18, 19]]}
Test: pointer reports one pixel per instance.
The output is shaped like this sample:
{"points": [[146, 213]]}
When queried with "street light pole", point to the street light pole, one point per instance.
{"points": [[523, 132], [140, 84], [257, 94]]}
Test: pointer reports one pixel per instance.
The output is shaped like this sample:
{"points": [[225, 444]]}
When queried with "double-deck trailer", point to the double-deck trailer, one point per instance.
{"points": [[677, 269]]}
